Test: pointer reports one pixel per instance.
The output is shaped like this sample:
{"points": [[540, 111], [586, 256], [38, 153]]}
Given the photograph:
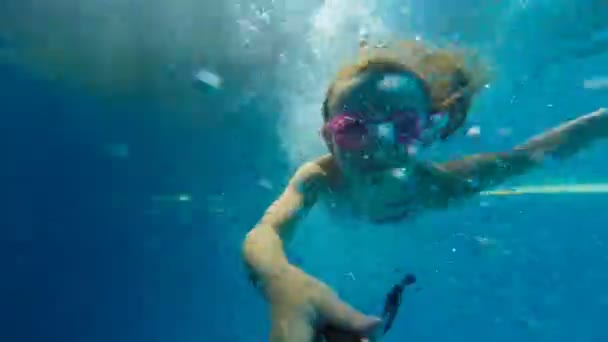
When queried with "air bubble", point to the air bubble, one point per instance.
{"points": [[505, 131], [208, 78], [265, 183], [474, 131], [117, 150], [399, 173], [596, 83], [363, 34], [412, 150]]}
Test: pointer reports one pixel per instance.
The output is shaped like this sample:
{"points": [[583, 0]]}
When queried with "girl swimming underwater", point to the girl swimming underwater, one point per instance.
{"points": [[377, 115]]}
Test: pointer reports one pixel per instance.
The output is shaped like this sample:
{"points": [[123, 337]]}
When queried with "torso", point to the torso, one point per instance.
{"points": [[383, 196], [379, 197]]}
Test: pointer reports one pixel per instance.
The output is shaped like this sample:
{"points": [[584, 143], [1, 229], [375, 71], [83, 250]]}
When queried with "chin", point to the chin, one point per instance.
{"points": [[374, 165], [357, 161]]}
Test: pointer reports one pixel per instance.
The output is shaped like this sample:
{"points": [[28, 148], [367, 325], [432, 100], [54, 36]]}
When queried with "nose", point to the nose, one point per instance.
{"points": [[386, 132]]}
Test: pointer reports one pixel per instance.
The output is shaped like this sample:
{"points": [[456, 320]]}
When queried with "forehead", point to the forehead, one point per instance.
{"points": [[374, 90]]}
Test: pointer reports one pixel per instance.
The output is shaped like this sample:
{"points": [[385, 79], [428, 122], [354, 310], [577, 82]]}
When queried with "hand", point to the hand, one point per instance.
{"points": [[302, 304], [603, 112], [600, 118], [569, 138], [329, 334]]}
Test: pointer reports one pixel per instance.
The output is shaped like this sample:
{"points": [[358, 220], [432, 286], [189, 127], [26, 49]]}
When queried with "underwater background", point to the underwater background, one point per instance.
{"points": [[129, 181]]}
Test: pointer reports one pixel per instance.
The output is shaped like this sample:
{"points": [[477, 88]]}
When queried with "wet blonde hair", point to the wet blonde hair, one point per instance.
{"points": [[452, 76]]}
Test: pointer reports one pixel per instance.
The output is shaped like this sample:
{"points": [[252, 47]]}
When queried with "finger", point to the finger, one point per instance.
{"points": [[333, 334], [335, 312], [291, 329]]}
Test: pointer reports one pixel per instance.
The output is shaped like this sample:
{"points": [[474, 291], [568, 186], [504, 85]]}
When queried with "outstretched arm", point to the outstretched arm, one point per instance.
{"points": [[476, 173], [298, 301], [263, 249]]}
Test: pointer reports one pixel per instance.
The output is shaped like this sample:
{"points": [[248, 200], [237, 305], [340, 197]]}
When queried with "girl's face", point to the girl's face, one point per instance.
{"points": [[380, 119]]}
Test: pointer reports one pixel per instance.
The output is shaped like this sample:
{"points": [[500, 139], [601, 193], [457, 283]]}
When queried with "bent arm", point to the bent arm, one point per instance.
{"points": [[479, 172]]}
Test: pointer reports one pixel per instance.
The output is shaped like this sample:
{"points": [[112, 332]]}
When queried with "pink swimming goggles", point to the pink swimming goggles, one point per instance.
{"points": [[407, 121], [351, 131]]}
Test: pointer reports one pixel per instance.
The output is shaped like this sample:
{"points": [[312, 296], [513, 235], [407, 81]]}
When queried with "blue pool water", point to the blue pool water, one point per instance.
{"points": [[127, 189]]}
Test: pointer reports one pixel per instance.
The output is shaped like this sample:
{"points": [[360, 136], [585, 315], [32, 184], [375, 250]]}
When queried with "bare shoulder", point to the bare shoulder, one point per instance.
{"points": [[325, 164], [320, 169]]}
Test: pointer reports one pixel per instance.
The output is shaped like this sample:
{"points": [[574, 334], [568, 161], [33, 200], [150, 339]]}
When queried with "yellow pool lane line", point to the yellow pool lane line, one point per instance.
{"points": [[592, 188]]}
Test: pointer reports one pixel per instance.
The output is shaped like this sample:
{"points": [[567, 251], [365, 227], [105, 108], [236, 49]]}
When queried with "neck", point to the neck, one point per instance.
{"points": [[404, 168]]}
